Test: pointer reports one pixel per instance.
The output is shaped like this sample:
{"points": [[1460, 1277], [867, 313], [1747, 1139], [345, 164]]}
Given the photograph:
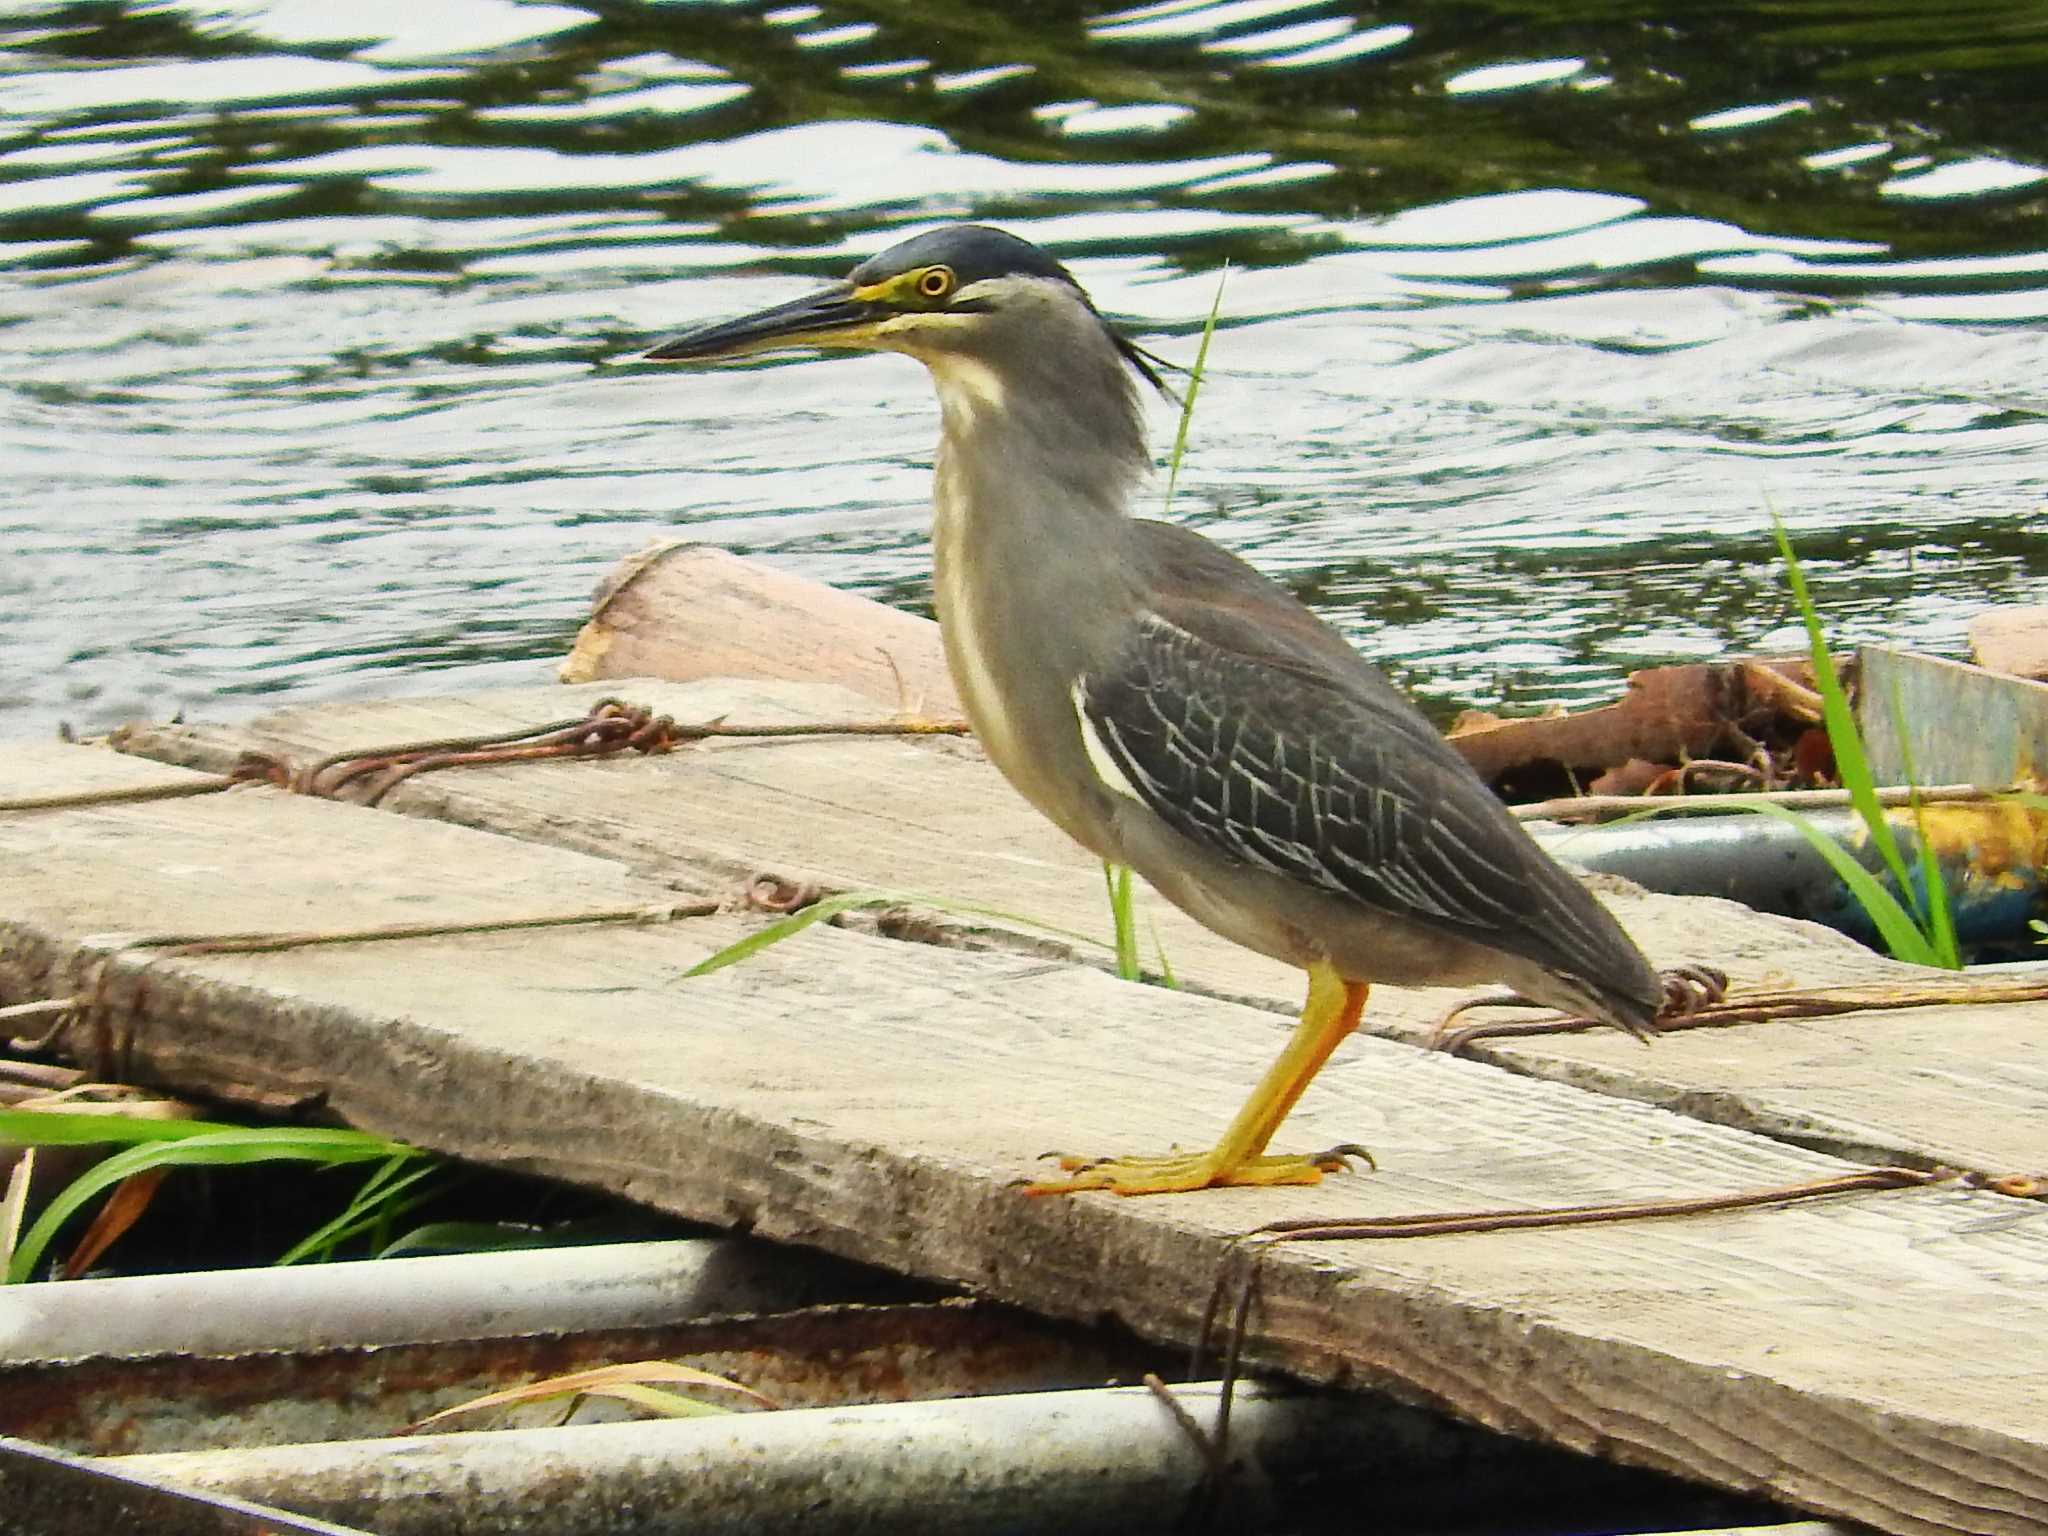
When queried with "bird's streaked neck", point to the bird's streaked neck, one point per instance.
{"points": [[1055, 426], [1039, 457]]}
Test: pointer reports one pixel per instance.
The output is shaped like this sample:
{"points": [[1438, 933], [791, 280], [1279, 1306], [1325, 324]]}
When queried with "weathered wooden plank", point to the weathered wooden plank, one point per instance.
{"points": [[1875, 1358], [1966, 1085], [42, 769]]}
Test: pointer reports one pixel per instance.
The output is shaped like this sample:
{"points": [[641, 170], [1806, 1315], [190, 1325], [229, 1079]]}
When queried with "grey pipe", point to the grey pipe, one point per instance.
{"points": [[1769, 865], [1111, 1460], [415, 1301]]}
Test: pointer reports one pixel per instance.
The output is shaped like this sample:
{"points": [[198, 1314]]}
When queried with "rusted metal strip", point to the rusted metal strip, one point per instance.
{"points": [[812, 1357]]}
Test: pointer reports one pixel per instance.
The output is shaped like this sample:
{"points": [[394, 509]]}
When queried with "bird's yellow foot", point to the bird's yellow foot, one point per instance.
{"points": [[1192, 1170]]}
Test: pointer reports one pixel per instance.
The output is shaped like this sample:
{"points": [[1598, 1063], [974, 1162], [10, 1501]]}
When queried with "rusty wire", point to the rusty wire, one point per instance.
{"points": [[612, 726], [1248, 1249], [81, 799], [1688, 991], [1446, 1223], [1214, 1444], [1714, 1010], [764, 892]]}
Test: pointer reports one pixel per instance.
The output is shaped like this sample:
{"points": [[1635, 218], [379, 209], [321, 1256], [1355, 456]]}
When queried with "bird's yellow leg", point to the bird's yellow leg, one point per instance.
{"points": [[1330, 1014]]}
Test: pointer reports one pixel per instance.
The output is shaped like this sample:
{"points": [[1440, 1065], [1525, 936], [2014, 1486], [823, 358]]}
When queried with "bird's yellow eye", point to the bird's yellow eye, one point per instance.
{"points": [[935, 282]]}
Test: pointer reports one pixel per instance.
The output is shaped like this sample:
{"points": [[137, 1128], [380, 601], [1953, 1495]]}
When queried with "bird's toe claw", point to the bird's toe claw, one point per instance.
{"points": [[1339, 1159]]}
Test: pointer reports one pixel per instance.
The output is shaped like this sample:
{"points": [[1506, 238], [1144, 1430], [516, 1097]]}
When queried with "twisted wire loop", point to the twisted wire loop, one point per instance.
{"points": [[367, 774], [780, 894], [1689, 992]]}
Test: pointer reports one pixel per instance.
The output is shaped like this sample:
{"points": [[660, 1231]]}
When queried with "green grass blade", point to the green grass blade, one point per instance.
{"points": [[668, 1405], [851, 901], [1840, 720], [1938, 913], [1187, 402], [1902, 935], [373, 1226], [465, 1237], [1166, 977], [55, 1128], [364, 1209], [234, 1147], [1122, 916]]}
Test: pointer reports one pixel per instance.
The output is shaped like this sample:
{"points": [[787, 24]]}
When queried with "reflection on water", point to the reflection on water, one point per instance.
{"points": [[317, 322]]}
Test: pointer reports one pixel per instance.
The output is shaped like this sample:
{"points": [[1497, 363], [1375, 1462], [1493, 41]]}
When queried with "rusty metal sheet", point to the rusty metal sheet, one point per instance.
{"points": [[1956, 723], [816, 1357]]}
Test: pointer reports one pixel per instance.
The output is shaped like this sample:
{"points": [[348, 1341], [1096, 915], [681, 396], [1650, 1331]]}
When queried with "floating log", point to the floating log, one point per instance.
{"points": [[1667, 715]]}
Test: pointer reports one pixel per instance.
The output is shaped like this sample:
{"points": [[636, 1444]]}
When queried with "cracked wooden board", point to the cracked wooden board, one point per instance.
{"points": [[41, 769], [1875, 1358], [1961, 1085]]}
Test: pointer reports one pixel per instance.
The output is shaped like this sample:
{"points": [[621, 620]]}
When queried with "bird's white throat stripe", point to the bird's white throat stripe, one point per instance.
{"points": [[1099, 757], [972, 674], [964, 383]]}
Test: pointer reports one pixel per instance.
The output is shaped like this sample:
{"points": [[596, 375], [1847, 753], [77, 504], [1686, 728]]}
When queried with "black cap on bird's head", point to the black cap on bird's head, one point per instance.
{"points": [[973, 252], [900, 300]]}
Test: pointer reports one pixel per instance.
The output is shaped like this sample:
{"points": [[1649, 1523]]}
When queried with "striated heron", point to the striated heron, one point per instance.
{"points": [[1172, 709]]}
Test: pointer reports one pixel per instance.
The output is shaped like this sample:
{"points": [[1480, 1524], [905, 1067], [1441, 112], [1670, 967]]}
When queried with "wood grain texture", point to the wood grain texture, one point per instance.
{"points": [[2012, 640], [684, 611], [1876, 1358], [1965, 1086], [30, 769]]}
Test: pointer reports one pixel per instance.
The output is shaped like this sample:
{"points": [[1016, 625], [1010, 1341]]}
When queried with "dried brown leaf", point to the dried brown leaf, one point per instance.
{"points": [[632, 1381], [123, 1208]]}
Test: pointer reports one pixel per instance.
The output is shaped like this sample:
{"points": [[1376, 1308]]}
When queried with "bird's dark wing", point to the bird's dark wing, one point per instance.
{"points": [[1248, 725]]}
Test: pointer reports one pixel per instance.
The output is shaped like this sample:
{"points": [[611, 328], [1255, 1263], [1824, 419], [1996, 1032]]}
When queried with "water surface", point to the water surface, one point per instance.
{"points": [[317, 322]]}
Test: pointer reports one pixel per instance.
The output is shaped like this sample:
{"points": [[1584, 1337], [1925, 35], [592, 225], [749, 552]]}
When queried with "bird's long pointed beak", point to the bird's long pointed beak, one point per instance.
{"points": [[830, 318]]}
